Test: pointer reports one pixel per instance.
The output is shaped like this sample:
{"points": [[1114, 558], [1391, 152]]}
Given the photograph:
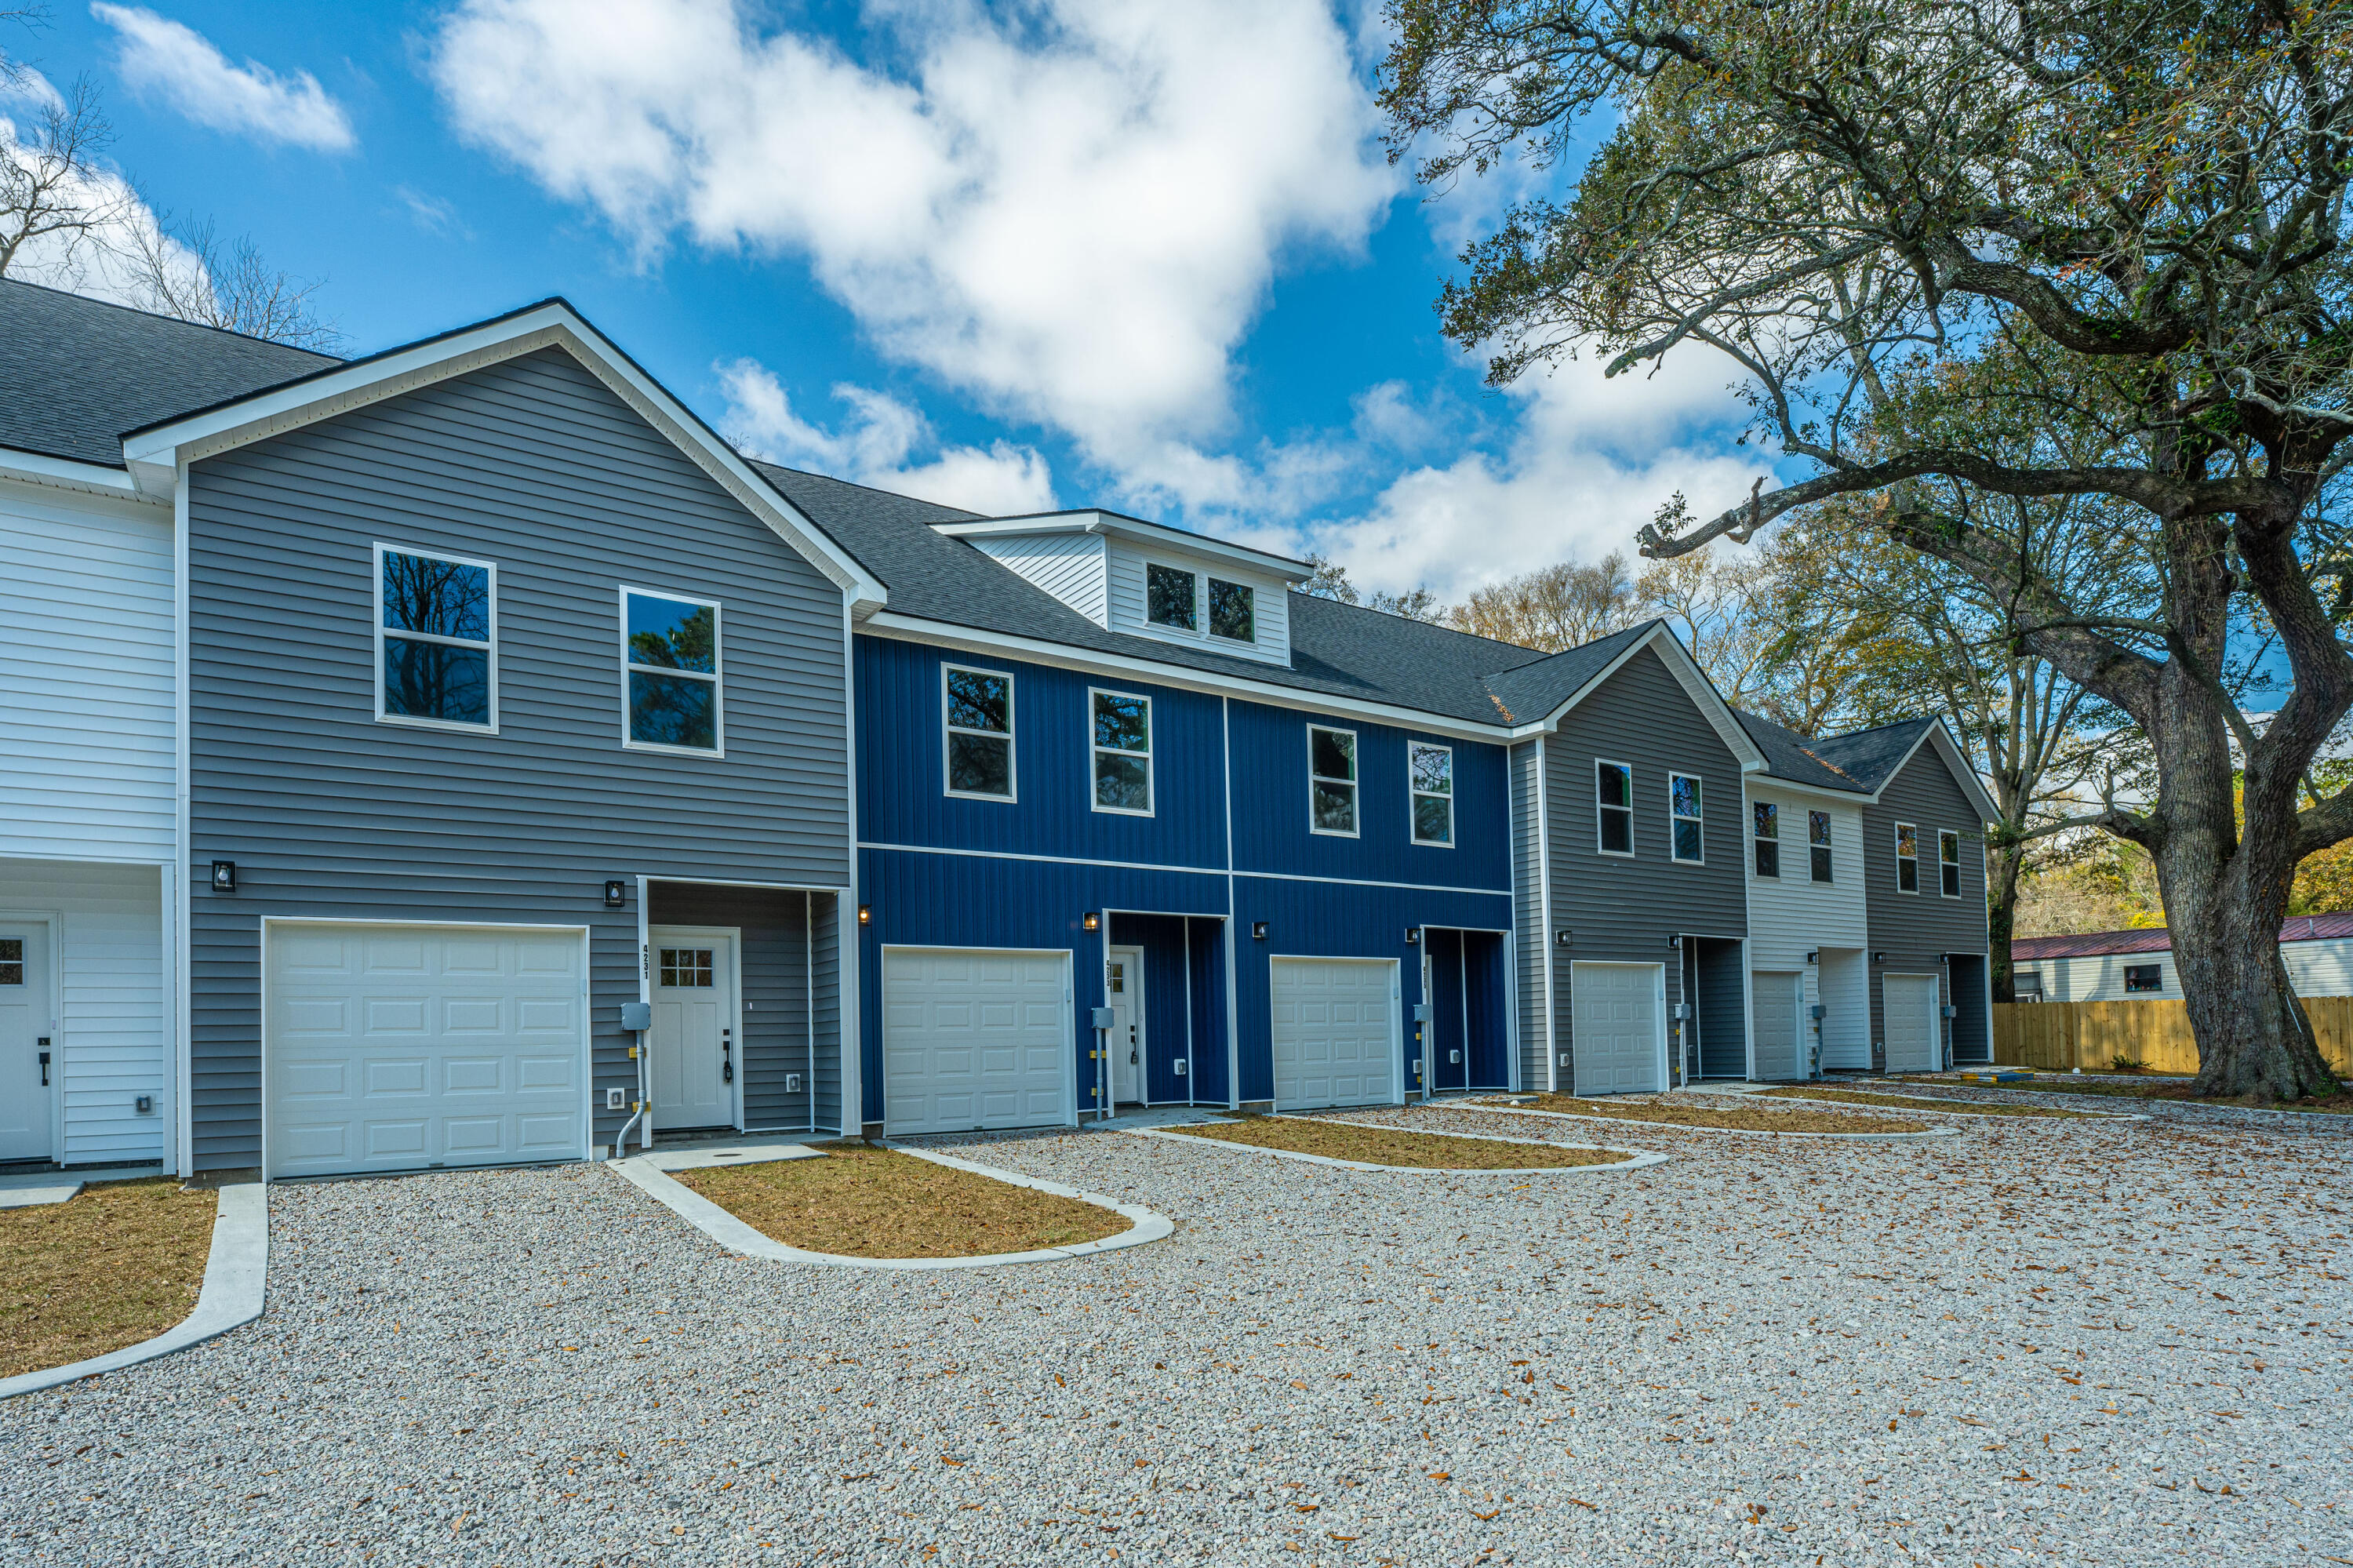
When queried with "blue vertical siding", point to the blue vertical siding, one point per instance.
{"points": [[1447, 1035], [1269, 778], [1489, 1056], [1171, 1019], [1206, 985], [901, 783]]}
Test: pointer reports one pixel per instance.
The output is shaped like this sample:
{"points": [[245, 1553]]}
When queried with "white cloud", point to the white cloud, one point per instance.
{"points": [[120, 244], [181, 66], [873, 443], [1072, 214]]}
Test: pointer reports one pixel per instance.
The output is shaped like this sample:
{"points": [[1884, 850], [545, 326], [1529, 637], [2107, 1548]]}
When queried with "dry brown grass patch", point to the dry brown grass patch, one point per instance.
{"points": [[118, 1263], [1921, 1102], [1733, 1116], [2182, 1091], [863, 1201], [1386, 1146]]}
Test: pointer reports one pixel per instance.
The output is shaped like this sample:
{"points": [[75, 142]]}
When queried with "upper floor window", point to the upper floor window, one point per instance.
{"points": [[671, 673], [1430, 773], [1769, 838], [1907, 858], [1122, 744], [1683, 818], [1171, 598], [1331, 781], [437, 629], [1233, 611], [2144, 977], [1948, 864], [1613, 790], [979, 715], [1818, 844]]}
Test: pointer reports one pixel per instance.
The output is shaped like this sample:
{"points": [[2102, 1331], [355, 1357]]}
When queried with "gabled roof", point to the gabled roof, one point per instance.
{"points": [[1874, 756], [76, 374], [1863, 762], [1792, 756], [2158, 940]]}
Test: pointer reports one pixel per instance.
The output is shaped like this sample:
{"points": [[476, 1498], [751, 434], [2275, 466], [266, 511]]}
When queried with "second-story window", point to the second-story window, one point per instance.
{"points": [[1818, 844], [1122, 744], [979, 732], [1907, 858], [1769, 838], [1171, 598], [437, 630], [1429, 773], [1948, 864], [1613, 790], [1233, 611], [670, 671], [1683, 818], [1331, 780]]}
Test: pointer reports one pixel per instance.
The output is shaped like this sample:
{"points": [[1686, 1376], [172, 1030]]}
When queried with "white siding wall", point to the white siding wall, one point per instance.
{"points": [[2322, 967], [112, 1031], [1271, 611], [86, 696], [1792, 915], [1067, 565]]}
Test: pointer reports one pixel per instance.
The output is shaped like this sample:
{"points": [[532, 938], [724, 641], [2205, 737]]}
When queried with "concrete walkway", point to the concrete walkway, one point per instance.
{"points": [[32, 1189]]}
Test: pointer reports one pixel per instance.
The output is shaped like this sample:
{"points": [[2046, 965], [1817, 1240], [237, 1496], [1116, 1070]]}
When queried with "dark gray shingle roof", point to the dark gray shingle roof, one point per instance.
{"points": [[77, 372], [1789, 755], [1872, 756]]}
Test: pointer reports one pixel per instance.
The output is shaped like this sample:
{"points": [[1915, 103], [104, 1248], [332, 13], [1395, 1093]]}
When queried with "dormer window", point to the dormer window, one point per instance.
{"points": [[1233, 611], [1171, 598]]}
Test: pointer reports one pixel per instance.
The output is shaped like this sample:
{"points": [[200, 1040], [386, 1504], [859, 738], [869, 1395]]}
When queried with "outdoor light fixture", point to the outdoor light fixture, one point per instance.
{"points": [[866, 913], [1675, 941], [1815, 957], [1879, 957], [616, 892], [224, 877], [1091, 921], [1258, 930], [1412, 935], [1563, 937]]}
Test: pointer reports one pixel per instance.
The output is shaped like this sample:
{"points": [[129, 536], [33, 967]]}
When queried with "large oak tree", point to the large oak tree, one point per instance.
{"points": [[2117, 221]]}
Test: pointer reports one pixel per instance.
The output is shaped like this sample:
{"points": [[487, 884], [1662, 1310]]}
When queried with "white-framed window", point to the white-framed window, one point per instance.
{"points": [[1818, 844], [1331, 780], [1769, 838], [1907, 858], [1179, 598], [1120, 737], [1948, 864], [436, 641], [1685, 824], [671, 674], [976, 711], [1429, 779], [1613, 795]]}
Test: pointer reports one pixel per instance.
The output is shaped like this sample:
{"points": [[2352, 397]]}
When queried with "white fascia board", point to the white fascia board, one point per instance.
{"points": [[943, 634], [1760, 773], [551, 325], [66, 473], [1096, 520], [1687, 674]]}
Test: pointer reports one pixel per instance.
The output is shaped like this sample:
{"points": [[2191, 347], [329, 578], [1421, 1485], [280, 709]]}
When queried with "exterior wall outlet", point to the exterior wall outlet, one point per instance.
{"points": [[1454, 1056], [792, 1083], [1180, 1066], [1564, 1059], [144, 1105], [615, 1099]]}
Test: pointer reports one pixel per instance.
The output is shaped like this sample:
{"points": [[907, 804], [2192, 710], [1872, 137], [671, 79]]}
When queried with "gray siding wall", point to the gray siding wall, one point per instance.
{"points": [[1623, 910], [1530, 937], [773, 938], [827, 954], [535, 465], [1721, 998], [1915, 930]]}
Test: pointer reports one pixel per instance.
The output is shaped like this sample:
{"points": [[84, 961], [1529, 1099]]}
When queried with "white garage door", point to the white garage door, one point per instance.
{"points": [[976, 1038], [1614, 1010], [1909, 1005], [1334, 1033], [397, 1047], [1776, 994]]}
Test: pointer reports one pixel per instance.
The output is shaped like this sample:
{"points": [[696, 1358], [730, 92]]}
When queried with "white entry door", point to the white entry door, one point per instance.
{"points": [[693, 1065], [28, 1057], [392, 1046], [1615, 1011], [1335, 1041], [1778, 995], [977, 1038], [1123, 989], [1908, 1004]]}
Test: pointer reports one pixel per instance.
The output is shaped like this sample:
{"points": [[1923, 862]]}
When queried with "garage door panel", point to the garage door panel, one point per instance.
{"points": [[975, 1040], [1334, 1033], [391, 1050], [1614, 1020], [1908, 1008]]}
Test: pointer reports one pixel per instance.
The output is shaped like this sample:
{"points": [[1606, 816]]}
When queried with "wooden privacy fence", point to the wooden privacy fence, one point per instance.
{"points": [[2058, 1036]]}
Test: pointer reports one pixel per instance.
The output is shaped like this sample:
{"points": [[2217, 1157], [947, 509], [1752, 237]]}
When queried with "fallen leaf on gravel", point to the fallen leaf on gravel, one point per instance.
{"points": [[1489, 1514], [1582, 1503]]}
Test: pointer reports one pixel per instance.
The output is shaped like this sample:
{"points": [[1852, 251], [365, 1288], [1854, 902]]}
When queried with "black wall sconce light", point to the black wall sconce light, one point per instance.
{"points": [[224, 877], [616, 892], [1879, 957], [1412, 935], [1258, 930], [1815, 957], [866, 913], [1091, 921], [1675, 941], [1563, 937]]}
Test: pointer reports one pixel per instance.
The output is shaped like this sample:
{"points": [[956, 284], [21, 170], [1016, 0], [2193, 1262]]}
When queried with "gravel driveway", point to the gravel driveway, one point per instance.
{"points": [[2052, 1342]]}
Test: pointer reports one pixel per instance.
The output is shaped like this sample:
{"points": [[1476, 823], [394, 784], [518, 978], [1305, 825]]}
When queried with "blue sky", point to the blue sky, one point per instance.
{"points": [[1138, 255]]}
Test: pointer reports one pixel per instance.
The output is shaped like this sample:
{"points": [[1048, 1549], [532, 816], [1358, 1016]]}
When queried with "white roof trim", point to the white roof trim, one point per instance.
{"points": [[550, 325], [1096, 521], [67, 473], [1687, 674]]}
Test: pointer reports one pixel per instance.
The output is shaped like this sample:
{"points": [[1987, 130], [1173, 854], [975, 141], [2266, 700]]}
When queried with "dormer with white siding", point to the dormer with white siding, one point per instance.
{"points": [[1148, 580]]}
